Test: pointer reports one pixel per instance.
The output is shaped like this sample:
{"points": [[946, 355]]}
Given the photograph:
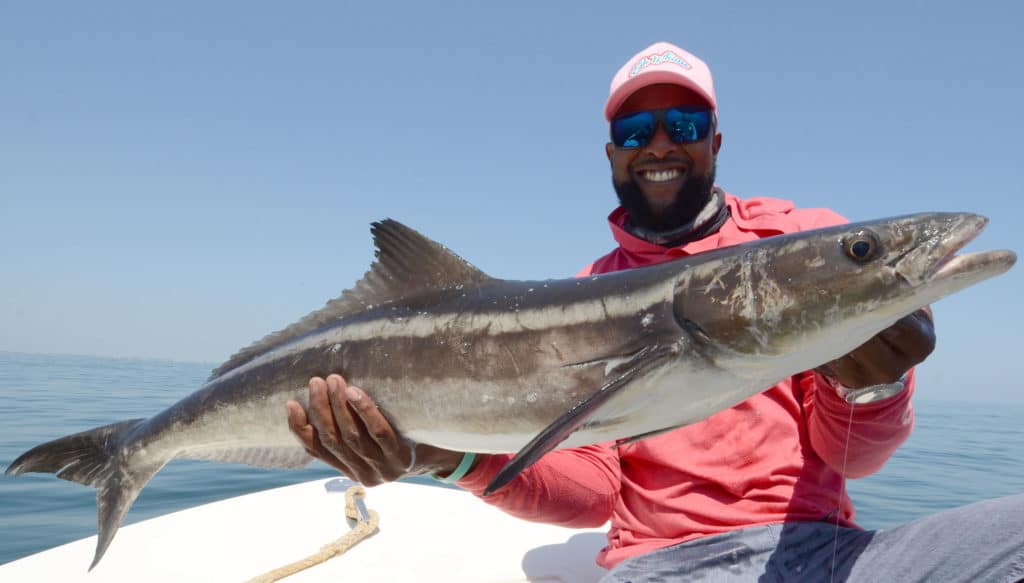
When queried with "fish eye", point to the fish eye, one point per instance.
{"points": [[861, 247]]}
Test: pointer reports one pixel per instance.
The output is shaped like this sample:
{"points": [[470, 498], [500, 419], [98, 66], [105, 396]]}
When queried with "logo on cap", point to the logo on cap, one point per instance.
{"points": [[658, 59]]}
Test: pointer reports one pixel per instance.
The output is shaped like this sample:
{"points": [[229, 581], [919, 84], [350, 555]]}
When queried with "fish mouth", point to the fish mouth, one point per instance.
{"points": [[940, 261], [962, 266]]}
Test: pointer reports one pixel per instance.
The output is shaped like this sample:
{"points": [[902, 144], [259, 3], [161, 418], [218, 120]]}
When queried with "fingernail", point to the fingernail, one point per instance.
{"points": [[352, 393]]}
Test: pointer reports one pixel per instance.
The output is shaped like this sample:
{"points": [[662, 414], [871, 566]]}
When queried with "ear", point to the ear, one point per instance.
{"points": [[608, 149], [716, 144]]}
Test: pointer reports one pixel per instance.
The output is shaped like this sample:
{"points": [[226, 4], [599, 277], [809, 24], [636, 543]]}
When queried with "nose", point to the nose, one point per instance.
{"points": [[661, 145]]}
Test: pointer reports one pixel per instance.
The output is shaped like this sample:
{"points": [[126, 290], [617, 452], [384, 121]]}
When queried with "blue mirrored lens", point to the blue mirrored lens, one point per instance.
{"points": [[682, 124], [633, 131], [687, 126]]}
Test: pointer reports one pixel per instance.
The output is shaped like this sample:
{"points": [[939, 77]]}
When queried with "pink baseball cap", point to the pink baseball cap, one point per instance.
{"points": [[660, 63]]}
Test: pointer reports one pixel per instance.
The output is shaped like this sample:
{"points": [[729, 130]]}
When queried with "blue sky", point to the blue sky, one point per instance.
{"points": [[178, 179]]}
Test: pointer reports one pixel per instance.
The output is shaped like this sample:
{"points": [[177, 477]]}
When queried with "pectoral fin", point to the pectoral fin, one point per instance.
{"points": [[574, 418]]}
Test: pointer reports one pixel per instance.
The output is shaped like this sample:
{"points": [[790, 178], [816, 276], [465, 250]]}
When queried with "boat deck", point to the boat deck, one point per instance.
{"points": [[426, 533]]}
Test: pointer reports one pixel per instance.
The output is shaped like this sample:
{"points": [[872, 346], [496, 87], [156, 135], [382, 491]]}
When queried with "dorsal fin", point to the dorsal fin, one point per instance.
{"points": [[407, 264]]}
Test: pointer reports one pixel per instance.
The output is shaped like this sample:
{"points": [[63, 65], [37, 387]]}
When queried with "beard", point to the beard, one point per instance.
{"points": [[691, 198]]}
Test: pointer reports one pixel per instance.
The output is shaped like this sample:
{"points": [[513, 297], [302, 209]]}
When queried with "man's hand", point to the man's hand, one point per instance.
{"points": [[887, 356], [344, 428]]}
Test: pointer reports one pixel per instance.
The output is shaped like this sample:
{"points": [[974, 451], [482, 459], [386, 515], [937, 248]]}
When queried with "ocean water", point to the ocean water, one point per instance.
{"points": [[959, 452]]}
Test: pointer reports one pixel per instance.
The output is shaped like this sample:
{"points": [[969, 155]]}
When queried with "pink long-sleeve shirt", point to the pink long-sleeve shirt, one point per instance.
{"points": [[776, 457]]}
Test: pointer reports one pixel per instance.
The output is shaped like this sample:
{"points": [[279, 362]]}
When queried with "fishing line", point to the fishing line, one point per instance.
{"points": [[842, 492]]}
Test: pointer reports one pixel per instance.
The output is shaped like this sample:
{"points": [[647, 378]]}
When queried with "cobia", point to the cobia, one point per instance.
{"points": [[460, 360]]}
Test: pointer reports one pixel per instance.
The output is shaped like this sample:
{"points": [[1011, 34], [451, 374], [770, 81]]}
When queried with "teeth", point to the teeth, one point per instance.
{"points": [[661, 175]]}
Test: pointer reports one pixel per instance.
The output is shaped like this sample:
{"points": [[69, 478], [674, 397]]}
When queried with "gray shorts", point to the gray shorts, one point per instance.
{"points": [[982, 542]]}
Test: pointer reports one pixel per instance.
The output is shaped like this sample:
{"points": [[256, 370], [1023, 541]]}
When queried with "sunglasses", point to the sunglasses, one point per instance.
{"points": [[684, 125]]}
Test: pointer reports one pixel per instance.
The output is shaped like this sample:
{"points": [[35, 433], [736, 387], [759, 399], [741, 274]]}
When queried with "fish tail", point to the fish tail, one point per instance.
{"points": [[97, 457]]}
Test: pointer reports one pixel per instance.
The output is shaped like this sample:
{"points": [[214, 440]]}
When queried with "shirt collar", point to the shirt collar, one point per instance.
{"points": [[745, 215]]}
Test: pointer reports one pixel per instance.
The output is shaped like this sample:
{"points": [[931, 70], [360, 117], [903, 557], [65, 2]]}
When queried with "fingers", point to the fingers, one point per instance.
{"points": [[349, 405], [339, 431], [350, 427], [343, 427], [887, 356], [854, 370], [874, 362], [367, 434], [299, 425], [377, 428], [912, 336], [308, 438]]}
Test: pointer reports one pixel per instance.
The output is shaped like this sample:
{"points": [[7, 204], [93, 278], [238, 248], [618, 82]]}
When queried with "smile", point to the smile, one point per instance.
{"points": [[661, 175]]}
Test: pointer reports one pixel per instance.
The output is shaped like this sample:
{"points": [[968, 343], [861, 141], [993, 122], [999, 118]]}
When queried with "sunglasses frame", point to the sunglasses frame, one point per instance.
{"points": [[660, 118]]}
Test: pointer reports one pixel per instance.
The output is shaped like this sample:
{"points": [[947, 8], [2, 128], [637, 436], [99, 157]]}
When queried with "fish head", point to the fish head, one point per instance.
{"points": [[806, 298]]}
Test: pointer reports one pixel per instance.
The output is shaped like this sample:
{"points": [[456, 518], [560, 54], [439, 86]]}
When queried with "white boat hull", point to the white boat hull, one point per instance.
{"points": [[426, 533]]}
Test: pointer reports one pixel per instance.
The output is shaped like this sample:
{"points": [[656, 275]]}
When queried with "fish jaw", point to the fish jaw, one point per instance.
{"points": [[968, 269], [936, 269], [934, 261]]}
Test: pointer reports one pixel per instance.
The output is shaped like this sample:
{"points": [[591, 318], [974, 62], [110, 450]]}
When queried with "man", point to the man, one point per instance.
{"points": [[755, 490]]}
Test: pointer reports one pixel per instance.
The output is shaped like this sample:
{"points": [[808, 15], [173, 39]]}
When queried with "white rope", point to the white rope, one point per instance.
{"points": [[366, 526]]}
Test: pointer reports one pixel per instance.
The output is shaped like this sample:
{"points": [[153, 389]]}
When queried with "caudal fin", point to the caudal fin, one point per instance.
{"points": [[97, 458]]}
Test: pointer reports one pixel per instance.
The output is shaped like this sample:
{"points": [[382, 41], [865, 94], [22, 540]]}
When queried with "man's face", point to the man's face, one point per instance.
{"points": [[663, 185]]}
